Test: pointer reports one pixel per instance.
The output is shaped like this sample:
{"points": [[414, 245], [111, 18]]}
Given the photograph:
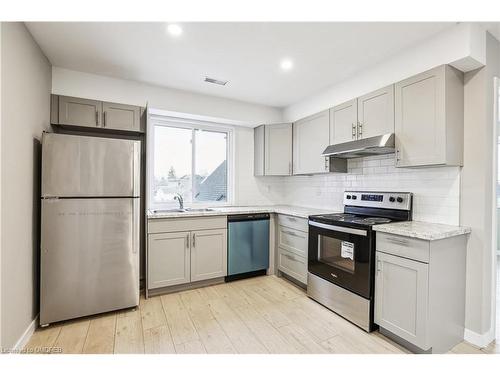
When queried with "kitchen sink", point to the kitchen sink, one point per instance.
{"points": [[184, 210], [199, 209]]}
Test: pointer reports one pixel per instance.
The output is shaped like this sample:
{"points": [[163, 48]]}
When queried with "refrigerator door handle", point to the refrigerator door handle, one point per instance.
{"points": [[136, 225], [136, 170]]}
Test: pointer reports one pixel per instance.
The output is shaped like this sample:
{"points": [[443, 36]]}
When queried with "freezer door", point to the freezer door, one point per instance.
{"points": [[89, 257], [78, 166]]}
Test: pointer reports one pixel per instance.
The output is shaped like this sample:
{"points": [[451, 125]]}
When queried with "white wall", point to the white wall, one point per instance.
{"points": [[86, 85], [250, 190], [436, 190], [462, 46], [25, 86], [477, 192]]}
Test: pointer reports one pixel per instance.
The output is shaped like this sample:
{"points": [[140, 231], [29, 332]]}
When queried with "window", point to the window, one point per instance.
{"points": [[190, 159]]}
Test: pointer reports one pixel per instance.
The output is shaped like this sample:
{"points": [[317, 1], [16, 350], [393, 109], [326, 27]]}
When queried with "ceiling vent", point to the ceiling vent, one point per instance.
{"points": [[216, 81]]}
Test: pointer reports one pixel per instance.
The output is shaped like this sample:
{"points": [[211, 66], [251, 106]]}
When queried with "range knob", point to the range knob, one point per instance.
{"points": [[348, 197], [392, 199], [400, 200], [354, 197]]}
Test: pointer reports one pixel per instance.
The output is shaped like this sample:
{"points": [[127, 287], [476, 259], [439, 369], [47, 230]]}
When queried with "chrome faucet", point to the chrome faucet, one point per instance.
{"points": [[178, 197]]}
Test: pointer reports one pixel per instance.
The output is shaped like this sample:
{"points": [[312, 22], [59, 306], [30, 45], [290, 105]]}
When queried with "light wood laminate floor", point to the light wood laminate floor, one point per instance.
{"points": [[260, 315]]}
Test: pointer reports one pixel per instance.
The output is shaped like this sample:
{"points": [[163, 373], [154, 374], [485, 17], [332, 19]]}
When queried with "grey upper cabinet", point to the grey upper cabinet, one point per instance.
{"points": [[121, 116], [310, 138], [376, 113], [79, 112], [273, 150], [367, 116], [70, 111], [429, 118], [343, 122]]}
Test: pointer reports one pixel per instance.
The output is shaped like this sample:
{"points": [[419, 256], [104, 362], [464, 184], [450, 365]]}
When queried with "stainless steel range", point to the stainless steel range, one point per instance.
{"points": [[341, 252]]}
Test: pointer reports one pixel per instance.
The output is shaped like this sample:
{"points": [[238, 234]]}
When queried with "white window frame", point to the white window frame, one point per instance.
{"points": [[192, 124]]}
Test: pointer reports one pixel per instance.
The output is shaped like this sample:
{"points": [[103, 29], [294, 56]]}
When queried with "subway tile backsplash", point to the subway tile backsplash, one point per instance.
{"points": [[436, 190]]}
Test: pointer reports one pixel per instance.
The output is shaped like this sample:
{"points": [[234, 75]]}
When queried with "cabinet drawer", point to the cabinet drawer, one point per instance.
{"points": [[293, 265], [293, 222], [293, 240], [411, 248], [186, 224]]}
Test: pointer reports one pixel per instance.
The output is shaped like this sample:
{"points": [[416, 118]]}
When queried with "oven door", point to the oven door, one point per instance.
{"points": [[341, 255]]}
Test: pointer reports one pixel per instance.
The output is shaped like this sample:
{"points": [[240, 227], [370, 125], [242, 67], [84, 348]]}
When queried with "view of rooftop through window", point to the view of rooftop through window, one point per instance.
{"points": [[191, 162]]}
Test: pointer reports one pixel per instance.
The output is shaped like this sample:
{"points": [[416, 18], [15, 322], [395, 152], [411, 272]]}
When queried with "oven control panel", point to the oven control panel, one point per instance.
{"points": [[394, 200]]}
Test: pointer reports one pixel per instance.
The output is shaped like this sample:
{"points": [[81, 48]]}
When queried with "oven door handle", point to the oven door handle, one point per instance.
{"points": [[359, 232]]}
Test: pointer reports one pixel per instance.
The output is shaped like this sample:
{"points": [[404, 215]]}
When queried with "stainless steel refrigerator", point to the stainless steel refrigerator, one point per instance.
{"points": [[90, 224]]}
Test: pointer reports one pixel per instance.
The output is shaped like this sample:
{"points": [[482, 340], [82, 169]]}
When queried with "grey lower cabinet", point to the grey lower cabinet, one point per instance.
{"points": [[88, 113], [169, 257], [429, 118], [273, 150], [420, 291], [181, 251], [208, 254], [292, 241]]}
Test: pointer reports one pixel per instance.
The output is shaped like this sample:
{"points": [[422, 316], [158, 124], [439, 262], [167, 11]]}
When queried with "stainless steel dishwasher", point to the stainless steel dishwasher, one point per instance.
{"points": [[248, 246]]}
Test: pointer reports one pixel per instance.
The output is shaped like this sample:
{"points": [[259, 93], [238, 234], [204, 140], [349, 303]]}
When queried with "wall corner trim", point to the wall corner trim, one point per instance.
{"points": [[478, 339], [25, 337]]}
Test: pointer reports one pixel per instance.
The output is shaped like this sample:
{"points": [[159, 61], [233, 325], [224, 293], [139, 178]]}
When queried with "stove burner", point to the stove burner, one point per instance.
{"points": [[372, 220]]}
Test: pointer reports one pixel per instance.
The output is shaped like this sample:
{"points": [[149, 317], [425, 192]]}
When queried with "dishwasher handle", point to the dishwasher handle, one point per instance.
{"points": [[247, 217]]}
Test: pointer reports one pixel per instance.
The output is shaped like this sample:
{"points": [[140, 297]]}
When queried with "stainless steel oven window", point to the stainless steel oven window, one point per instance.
{"points": [[336, 253]]}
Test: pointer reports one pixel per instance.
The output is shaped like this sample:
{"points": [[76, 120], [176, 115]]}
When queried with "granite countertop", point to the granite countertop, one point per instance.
{"points": [[422, 230], [302, 212]]}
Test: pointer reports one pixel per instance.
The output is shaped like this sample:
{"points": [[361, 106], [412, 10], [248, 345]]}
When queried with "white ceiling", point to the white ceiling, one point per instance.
{"points": [[248, 55]]}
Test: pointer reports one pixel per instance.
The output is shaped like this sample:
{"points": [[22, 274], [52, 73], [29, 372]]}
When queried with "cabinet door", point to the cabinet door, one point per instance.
{"points": [[376, 113], [278, 150], [168, 259], [310, 138], [420, 119], [258, 150], [401, 298], [121, 117], [208, 254], [343, 122], [79, 112]]}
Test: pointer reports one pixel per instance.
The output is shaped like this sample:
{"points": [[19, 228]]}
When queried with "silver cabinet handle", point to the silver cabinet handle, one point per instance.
{"points": [[353, 131], [360, 130], [96, 118], [290, 257], [398, 241], [104, 119], [398, 158], [194, 239], [327, 164], [187, 241], [292, 233], [292, 219]]}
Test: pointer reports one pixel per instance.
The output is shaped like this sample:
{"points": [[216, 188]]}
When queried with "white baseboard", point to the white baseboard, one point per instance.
{"points": [[477, 339], [25, 337]]}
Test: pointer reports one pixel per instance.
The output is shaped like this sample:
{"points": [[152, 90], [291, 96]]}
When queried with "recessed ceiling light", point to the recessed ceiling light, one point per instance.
{"points": [[174, 29], [286, 64]]}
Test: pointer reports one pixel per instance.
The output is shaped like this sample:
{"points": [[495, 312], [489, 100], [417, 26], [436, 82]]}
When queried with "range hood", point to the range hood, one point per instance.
{"points": [[381, 144]]}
